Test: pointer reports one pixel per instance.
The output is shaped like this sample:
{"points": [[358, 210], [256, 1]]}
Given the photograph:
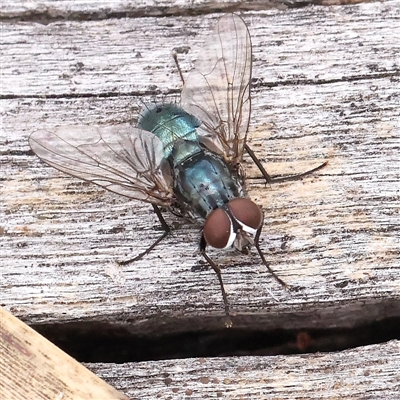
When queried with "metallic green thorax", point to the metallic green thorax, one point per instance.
{"points": [[202, 179], [172, 125]]}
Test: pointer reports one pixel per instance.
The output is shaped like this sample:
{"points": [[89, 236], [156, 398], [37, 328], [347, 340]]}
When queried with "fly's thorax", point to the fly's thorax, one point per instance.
{"points": [[169, 123], [204, 182], [183, 150], [235, 224]]}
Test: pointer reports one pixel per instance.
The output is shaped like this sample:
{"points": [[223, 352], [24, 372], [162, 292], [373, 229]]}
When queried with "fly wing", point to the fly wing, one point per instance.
{"points": [[120, 158], [217, 91]]}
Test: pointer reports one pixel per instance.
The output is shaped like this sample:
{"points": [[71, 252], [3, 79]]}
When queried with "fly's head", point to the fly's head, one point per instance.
{"points": [[235, 224]]}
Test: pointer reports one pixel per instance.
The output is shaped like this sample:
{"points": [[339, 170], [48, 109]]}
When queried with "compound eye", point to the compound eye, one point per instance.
{"points": [[217, 229], [246, 212]]}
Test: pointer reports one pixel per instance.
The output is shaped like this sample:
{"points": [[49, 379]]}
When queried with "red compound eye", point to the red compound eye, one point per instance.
{"points": [[217, 229], [246, 212]]}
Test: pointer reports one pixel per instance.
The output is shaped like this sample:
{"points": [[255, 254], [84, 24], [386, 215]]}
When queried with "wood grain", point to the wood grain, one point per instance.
{"points": [[325, 88], [50, 10], [33, 368], [360, 373]]}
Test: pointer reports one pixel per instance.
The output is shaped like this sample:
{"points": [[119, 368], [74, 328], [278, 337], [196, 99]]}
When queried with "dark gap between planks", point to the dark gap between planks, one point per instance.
{"points": [[113, 343]]}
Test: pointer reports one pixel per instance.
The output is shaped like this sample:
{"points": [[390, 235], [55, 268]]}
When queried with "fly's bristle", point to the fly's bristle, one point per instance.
{"points": [[154, 102]]}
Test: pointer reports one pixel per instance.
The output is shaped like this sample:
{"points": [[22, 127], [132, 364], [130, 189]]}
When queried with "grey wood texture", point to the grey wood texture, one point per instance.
{"points": [[47, 10], [325, 87], [360, 373]]}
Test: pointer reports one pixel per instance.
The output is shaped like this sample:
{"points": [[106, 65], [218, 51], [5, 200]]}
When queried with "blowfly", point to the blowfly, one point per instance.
{"points": [[182, 158]]}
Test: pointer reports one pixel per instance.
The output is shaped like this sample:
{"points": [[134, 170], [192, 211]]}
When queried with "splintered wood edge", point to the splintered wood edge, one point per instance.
{"points": [[32, 367]]}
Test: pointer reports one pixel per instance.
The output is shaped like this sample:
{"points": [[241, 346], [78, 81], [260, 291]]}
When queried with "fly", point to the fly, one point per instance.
{"points": [[184, 158]]}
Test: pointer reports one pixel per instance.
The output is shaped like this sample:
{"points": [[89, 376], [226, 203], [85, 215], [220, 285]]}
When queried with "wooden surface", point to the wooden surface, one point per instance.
{"points": [[50, 10], [351, 374], [326, 87], [31, 368]]}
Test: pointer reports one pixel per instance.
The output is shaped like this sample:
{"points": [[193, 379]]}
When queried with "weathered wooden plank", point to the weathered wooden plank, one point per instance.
{"points": [[33, 368], [56, 60], [327, 91], [370, 372], [66, 9], [50, 10]]}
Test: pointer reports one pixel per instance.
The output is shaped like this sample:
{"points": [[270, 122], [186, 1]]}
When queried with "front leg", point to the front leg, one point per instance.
{"points": [[203, 245], [167, 230]]}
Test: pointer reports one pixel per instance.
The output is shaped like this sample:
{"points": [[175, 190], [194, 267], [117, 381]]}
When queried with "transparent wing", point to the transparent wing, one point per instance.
{"points": [[120, 158], [217, 91]]}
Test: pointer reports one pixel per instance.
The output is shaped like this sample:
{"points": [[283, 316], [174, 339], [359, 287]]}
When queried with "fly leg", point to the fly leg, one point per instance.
{"points": [[203, 244], [299, 176], [256, 161], [268, 177], [175, 57], [261, 254], [167, 230]]}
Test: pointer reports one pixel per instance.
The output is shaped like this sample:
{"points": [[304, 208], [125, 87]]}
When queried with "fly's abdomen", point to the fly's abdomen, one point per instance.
{"points": [[204, 183], [170, 124]]}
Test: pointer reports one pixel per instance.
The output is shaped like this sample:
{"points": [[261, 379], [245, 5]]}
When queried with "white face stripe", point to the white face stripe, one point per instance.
{"points": [[248, 229], [232, 234]]}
